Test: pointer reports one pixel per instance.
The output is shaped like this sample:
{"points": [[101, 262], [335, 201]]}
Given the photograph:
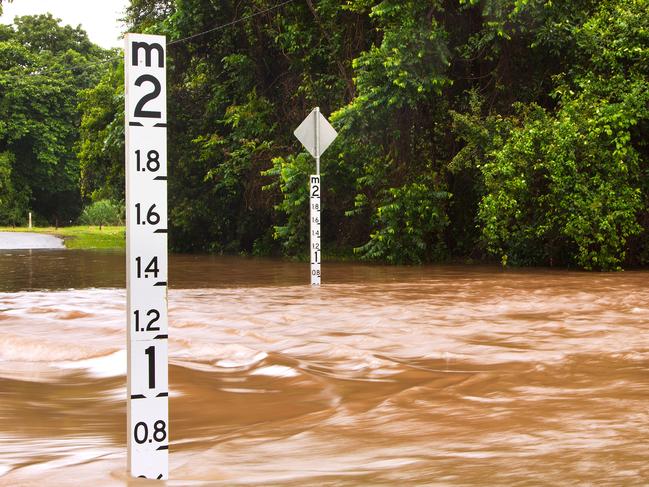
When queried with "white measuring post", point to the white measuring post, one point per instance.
{"points": [[314, 217], [146, 255], [316, 135]]}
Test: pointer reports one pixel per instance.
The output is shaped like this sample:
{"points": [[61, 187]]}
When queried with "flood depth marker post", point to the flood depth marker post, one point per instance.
{"points": [[316, 134], [146, 255]]}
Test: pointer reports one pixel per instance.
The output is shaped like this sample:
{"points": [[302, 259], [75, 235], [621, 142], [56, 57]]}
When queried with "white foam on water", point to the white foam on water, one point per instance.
{"points": [[242, 360], [487, 399], [112, 365], [71, 458], [39, 349], [225, 356], [276, 371]]}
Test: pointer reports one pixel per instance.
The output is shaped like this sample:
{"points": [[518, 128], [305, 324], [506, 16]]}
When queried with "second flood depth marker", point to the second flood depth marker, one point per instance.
{"points": [[316, 134]]}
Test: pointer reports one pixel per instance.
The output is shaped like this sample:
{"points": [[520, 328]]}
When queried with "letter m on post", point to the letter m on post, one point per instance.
{"points": [[148, 50]]}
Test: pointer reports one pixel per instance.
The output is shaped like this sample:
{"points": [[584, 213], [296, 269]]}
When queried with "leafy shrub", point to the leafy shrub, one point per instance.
{"points": [[564, 189], [568, 187], [13, 203], [102, 212], [409, 225], [291, 175]]}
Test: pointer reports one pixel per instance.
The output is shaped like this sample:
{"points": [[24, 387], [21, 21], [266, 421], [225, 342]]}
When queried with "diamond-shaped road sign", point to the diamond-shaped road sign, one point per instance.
{"points": [[306, 133]]}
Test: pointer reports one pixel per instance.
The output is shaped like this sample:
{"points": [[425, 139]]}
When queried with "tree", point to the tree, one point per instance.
{"points": [[43, 68], [102, 212], [570, 186], [100, 147], [507, 129], [9, 1]]}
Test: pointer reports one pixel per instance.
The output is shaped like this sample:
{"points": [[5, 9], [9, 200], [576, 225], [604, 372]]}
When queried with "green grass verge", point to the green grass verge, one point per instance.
{"points": [[82, 237]]}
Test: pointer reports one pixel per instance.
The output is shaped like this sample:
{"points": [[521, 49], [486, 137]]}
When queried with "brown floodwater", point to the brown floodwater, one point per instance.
{"points": [[450, 375]]}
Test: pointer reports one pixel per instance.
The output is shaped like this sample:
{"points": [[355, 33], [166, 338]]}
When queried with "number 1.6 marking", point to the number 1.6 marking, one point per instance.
{"points": [[152, 217]]}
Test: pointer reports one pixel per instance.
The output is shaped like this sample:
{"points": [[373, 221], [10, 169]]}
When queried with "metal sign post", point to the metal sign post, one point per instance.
{"points": [[146, 255], [316, 135]]}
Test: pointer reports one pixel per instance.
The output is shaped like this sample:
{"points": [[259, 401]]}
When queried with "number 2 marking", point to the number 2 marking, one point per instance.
{"points": [[157, 89]]}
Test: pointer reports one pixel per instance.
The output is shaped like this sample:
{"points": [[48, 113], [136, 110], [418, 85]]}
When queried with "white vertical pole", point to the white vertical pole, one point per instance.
{"points": [[146, 255], [30, 219], [314, 213]]}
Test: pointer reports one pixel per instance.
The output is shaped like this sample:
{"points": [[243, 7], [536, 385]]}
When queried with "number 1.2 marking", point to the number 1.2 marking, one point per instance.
{"points": [[155, 316]]}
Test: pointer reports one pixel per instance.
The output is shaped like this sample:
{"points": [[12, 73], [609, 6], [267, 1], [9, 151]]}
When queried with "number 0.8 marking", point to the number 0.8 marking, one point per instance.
{"points": [[141, 432]]}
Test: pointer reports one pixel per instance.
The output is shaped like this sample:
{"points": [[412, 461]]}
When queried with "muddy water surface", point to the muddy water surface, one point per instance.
{"points": [[384, 376]]}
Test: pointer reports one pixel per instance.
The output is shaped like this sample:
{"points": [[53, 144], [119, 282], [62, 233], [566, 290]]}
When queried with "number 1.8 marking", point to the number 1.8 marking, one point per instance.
{"points": [[152, 162]]}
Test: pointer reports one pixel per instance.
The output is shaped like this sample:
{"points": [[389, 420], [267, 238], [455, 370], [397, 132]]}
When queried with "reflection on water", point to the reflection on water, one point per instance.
{"points": [[385, 376]]}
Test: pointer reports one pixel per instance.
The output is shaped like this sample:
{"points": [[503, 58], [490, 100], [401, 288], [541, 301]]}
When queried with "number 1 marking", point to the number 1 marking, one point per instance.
{"points": [[150, 352]]}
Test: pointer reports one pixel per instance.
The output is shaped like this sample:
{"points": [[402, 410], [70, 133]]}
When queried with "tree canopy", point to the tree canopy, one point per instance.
{"points": [[507, 130], [43, 66]]}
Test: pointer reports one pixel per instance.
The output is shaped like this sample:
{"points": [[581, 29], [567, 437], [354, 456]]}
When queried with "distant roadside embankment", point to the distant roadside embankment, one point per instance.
{"points": [[82, 237]]}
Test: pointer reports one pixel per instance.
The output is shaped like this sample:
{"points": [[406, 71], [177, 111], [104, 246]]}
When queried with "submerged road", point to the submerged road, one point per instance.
{"points": [[24, 240]]}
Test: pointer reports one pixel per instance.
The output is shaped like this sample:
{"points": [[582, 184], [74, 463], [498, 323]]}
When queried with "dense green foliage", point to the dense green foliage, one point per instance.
{"points": [[512, 130], [101, 213], [570, 184], [43, 66]]}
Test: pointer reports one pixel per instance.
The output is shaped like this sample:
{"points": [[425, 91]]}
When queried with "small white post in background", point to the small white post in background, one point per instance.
{"points": [[314, 217], [30, 219], [316, 134], [146, 255]]}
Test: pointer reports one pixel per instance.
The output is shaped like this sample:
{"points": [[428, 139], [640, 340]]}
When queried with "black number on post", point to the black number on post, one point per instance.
{"points": [[150, 352], [152, 162], [149, 327], [159, 430], [157, 89], [315, 193], [141, 432], [152, 217], [141, 425], [151, 268]]}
